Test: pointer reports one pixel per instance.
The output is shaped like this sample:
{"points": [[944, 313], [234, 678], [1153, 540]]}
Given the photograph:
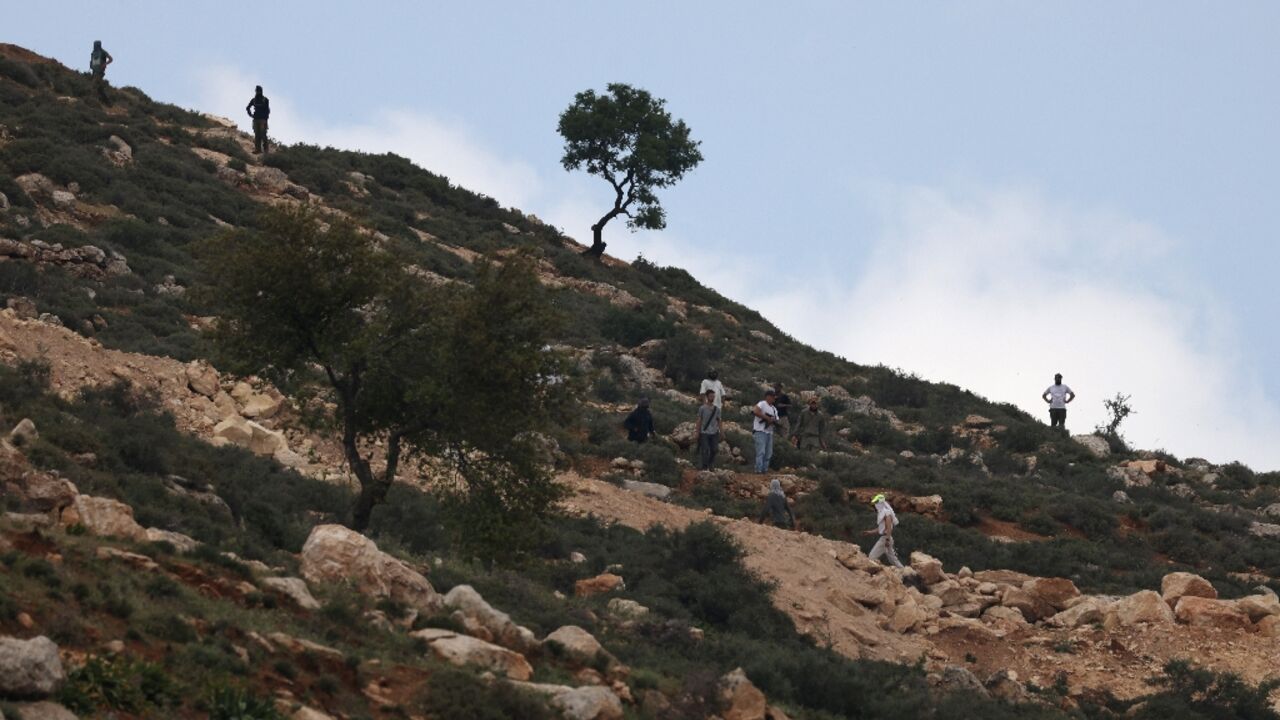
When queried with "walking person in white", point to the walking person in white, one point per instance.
{"points": [[1058, 395], [712, 382], [886, 521]]}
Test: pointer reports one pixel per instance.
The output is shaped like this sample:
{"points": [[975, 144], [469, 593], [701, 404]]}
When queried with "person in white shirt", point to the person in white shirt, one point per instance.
{"points": [[712, 382], [766, 417], [886, 521], [1058, 395]]}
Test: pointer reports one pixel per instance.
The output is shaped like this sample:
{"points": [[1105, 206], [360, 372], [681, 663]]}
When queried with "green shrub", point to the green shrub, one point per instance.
{"points": [[118, 683], [685, 359], [1186, 691], [458, 695], [631, 326], [232, 702]]}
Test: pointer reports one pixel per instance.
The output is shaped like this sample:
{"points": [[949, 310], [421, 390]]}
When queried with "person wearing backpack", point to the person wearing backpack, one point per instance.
{"points": [[99, 59], [708, 430], [259, 108]]}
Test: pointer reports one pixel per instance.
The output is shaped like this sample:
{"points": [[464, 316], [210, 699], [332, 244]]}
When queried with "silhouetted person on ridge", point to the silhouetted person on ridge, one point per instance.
{"points": [[639, 423], [259, 108], [1058, 395], [99, 59]]}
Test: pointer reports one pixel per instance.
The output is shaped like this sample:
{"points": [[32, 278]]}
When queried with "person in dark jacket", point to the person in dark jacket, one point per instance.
{"points": [[776, 508], [259, 108], [639, 423]]}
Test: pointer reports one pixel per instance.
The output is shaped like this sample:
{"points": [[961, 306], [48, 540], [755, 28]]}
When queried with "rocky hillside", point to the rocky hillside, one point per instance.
{"points": [[173, 544]]}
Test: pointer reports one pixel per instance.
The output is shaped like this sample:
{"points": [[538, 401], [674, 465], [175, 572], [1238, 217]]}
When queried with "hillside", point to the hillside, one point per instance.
{"points": [[1047, 542]]}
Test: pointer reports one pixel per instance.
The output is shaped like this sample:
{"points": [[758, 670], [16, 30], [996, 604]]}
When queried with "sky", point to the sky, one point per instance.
{"points": [[983, 193]]}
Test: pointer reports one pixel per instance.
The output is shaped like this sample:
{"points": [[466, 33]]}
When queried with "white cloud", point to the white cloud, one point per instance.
{"points": [[997, 291], [438, 145]]}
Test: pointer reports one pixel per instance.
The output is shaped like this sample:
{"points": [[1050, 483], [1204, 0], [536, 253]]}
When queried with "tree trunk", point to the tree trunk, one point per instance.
{"points": [[373, 492], [597, 242]]}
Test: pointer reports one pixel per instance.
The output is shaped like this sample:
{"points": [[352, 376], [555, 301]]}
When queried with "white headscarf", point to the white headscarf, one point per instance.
{"points": [[775, 487]]}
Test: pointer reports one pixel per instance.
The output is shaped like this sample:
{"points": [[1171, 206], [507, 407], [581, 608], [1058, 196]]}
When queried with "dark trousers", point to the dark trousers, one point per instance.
{"points": [[100, 86], [1058, 418], [260, 135], [708, 446]]}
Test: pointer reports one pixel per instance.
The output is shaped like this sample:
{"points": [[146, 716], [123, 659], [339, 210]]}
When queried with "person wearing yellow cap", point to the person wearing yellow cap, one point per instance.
{"points": [[886, 521]]}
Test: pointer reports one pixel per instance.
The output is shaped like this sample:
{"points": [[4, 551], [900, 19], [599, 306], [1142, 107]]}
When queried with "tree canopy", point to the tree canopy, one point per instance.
{"points": [[627, 137], [411, 369]]}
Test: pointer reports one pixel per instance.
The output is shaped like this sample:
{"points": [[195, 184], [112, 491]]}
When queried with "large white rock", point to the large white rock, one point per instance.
{"points": [[293, 588], [252, 436], [589, 703], [29, 669], [1177, 585], [202, 378], [479, 615], [1145, 606], [740, 698], [334, 553], [465, 650]]}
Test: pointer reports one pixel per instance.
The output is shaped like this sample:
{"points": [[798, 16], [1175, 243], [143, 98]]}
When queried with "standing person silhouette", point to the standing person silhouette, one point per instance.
{"points": [[1058, 395], [259, 108], [99, 59]]}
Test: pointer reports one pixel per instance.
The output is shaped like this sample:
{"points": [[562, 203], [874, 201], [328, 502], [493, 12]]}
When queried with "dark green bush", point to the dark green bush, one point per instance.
{"points": [[631, 326], [1192, 693], [459, 695]]}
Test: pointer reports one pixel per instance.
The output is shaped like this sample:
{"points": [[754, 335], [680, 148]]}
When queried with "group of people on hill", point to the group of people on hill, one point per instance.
{"points": [[259, 107], [773, 415]]}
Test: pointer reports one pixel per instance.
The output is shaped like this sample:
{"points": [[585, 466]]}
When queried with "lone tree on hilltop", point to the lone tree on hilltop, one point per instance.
{"points": [[410, 370], [629, 139]]}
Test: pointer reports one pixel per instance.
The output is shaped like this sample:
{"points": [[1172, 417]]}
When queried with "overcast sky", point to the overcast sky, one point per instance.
{"points": [[983, 192]]}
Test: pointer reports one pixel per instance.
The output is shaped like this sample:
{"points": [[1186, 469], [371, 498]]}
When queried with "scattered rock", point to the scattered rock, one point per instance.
{"points": [[202, 378], [334, 553], [977, 422], [465, 650], [293, 588], [474, 611], [1057, 592], [24, 308], [1267, 530], [1091, 610], [577, 558], [1258, 607], [928, 568], [262, 406], [653, 490], [603, 583], [1004, 685], [1177, 585], [43, 710], [29, 669], [627, 609], [685, 435], [250, 435], [1032, 607], [581, 647], [955, 678], [180, 542], [589, 703], [1269, 626], [1121, 497], [44, 493], [133, 560]]}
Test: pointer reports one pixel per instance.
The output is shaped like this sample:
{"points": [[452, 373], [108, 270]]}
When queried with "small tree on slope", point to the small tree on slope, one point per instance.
{"points": [[629, 139], [448, 371]]}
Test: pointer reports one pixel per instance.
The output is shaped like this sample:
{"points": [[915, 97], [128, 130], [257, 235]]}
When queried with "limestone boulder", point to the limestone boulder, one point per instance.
{"points": [[1095, 444], [1209, 612], [43, 710], [180, 542], [262, 405], [1091, 610], [627, 609], [1260, 606], [653, 490], [293, 588], [45, 493], [1032, 607], [492, 624], [999, 614], [598, 585], [949, 592], [103, 517], [202, 378], [685, 435], [334, 553], [24, 434], [1145, 606], [589, 703], [1177, 585], [1057, 592], [252, 436], [740, 698], [1269, 626], [581, 648], [928, 568], [461, 649], [29, 669], [907, 617]]}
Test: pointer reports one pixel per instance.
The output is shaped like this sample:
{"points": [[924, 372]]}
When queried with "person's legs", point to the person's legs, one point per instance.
{"points": [[768, 451], [704, 451], [876, 550], [760, 436], [713, 447], [890, 553]]}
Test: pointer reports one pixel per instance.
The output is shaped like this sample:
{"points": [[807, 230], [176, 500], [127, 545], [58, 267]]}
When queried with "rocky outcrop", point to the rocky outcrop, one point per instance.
{"points": [[1088, 611], [1056, 592], [1177, 585], [104, 517], [740, 698], [582, 649], [592, 702], [461, 649], [1207, 612], [29, 669], [928, 568], [487, 623], [180, 542], [334, 553], [202, 378], [250, 435], [1258, 607], [87, 261], [24, 434], [685, 435]]}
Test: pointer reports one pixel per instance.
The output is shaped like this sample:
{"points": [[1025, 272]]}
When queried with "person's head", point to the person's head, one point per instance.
{"points": [[97, 45], [644, 402], [710, 396], [813, 403], [777, 386], [775, 487], [1057, 379], [770, 396], [713, 374], [879, 498], [257, 90]]}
